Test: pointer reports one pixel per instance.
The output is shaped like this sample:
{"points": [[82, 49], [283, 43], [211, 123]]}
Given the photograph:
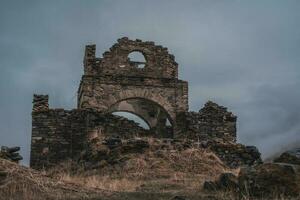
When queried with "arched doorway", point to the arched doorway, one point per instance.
{"points": [[154, 115]]}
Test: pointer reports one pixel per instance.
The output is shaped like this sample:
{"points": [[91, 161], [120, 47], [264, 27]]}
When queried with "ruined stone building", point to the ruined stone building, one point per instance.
{"points": [[149, 89]]}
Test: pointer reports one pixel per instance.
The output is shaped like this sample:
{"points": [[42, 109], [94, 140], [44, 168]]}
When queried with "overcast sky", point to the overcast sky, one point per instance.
{"points": [[244, 55]]}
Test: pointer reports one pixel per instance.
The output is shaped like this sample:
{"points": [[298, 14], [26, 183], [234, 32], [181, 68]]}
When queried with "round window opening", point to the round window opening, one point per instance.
{"points": [[137, 59]]}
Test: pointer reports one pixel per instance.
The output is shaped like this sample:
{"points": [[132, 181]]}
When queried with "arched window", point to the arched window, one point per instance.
{"points": [[137, 59]]}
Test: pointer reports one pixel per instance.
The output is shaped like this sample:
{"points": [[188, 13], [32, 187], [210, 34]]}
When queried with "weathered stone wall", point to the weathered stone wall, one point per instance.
{"points": [[40, 103], [59, 134], [114, 78], [159, 63], [101, 93], [212, 122], [154, 93]]}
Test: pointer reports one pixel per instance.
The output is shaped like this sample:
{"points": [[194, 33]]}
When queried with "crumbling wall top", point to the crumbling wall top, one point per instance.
{"points": [[158, 62], [213, 111], [40, 103]]}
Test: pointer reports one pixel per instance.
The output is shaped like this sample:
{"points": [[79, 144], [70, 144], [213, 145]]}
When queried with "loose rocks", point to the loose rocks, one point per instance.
{"points": [[10, 153], [291, 157], [270, 179]]}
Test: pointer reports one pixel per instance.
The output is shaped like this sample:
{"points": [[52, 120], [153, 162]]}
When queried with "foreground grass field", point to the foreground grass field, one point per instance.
{"points": [[154, 174]]}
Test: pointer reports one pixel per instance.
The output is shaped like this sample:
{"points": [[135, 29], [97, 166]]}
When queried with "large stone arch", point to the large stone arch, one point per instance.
{"points": [[151, 112], [103, 97], [140, 93], [115, 78]]}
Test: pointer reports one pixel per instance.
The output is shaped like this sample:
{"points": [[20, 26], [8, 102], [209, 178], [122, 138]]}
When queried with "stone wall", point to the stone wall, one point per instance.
{"points": [[56, 135], [212, 122], [115, 78], [159, 63], [40, 103], [115, 83], [59, 134], [102, 93]]}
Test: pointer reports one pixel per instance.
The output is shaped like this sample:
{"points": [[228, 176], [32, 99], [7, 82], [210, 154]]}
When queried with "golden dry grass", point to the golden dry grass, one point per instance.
{"points": [[26, 184], [160, 171]]}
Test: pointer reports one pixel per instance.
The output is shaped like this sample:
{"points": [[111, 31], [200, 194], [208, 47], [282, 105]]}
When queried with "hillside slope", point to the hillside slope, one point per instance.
{"points": [[158, 172]]}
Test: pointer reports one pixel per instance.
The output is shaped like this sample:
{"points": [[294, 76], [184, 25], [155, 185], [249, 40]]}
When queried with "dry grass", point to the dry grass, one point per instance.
{"points": [[26, 184], [157, 170], [103, 182], [158, 173]]}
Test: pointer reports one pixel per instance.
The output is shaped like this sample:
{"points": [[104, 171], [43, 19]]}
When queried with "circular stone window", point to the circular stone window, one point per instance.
{"points": [[137, 59]]}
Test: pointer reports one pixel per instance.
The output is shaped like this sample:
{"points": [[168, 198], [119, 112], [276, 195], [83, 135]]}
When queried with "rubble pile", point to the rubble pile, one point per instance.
{"points": [[11, 154], [235, 154], [114, 149], [263, 180], [291, 157], [212, 122]]}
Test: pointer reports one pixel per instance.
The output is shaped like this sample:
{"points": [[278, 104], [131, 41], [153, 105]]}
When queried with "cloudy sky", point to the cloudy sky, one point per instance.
{"points": [[242, 54]]}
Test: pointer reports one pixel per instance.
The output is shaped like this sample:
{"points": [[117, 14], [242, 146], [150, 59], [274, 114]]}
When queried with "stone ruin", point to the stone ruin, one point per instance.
{"points": [[149, 89]]}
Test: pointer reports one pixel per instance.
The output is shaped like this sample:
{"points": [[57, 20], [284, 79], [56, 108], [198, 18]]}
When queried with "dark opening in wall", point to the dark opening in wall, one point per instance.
{"points": [[154, 115], [168, 123], [131, 116], [137, 59]]}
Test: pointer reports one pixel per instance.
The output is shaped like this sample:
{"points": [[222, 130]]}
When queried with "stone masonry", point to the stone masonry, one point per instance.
{"points": [[116, 83], [114, 78], [213, 122]]}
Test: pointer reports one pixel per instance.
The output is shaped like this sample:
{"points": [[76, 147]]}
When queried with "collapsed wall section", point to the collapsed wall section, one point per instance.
{"points": [[117, 83], [116, 77], [59, 134], [159, 63], [212, 122]]}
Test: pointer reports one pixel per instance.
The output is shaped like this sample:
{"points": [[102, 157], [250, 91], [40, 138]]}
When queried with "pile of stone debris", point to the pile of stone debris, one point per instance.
{"points": [[292, 157], [278, 178], [234, 154], [10, 153], [111, 149]]}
